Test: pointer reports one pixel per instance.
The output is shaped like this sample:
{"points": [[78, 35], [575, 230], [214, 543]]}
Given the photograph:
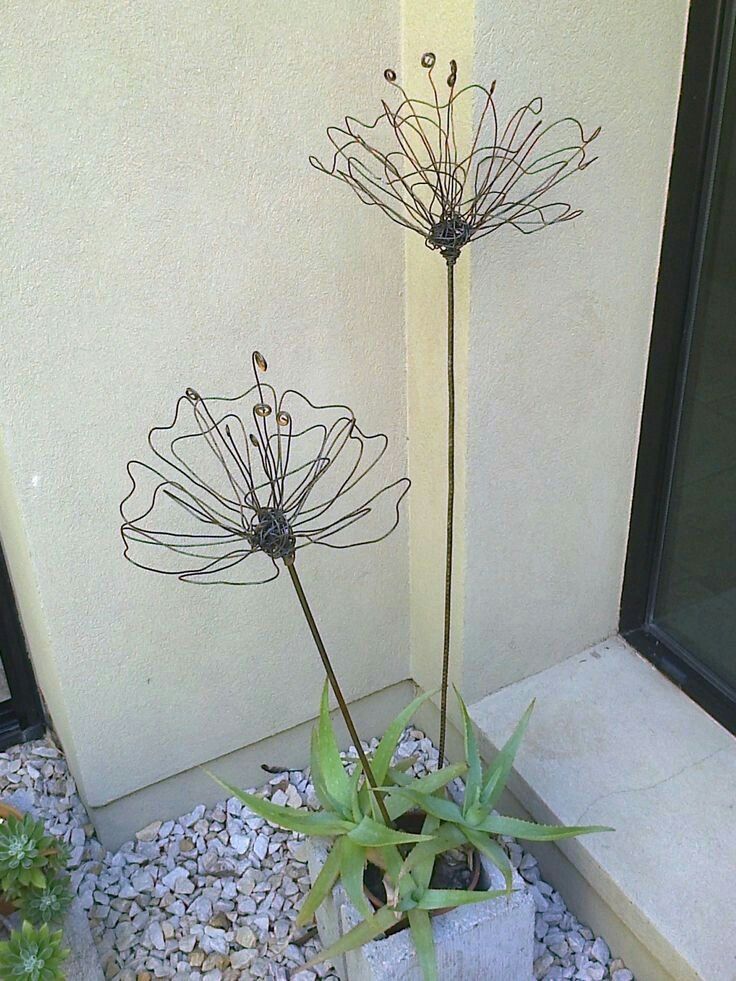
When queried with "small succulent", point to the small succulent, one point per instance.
{"points": [[33, 954], [47, 905], [27, 855]]}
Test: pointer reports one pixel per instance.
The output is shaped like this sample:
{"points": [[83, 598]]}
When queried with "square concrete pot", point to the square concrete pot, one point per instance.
{"points": [[491, 941]]}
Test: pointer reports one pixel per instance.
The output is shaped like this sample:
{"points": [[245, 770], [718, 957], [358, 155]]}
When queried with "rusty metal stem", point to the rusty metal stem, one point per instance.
{"points": [[450, 500], [335, 685]]}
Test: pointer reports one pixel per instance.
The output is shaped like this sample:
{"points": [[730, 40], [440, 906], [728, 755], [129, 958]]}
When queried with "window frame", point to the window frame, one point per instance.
{"points": [[22, 716], [708, 48]]}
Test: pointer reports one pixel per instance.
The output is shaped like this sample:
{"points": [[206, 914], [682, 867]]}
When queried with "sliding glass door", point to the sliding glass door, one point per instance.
{"points": [[679, 602], [695, 598]]}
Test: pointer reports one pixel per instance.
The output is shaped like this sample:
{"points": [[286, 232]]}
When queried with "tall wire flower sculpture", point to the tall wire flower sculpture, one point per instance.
{"points": [[409, 163], [237, 487]]}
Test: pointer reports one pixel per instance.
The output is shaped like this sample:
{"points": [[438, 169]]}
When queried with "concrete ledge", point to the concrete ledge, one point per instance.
{"points": [[614, 742]]}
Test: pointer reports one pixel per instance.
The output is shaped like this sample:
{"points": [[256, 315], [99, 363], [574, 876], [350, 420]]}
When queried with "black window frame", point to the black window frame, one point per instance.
{"points": [[709, 40], [22, 716]]}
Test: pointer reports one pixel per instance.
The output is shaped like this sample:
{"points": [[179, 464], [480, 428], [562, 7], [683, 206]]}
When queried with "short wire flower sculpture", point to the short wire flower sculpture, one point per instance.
{"points": [[239, 485], [450, 195]]}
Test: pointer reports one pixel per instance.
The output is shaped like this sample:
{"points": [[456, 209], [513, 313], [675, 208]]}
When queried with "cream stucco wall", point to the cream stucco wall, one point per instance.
{"points": [[161, 220], [553, 333], [559, 334]]}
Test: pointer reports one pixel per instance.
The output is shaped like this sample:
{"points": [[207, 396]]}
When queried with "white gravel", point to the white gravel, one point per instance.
{"points": [[213, 895]]}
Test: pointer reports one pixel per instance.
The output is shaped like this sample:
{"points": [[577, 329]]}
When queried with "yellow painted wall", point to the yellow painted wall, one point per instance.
{"points": [[446, 29], [552, 337], [160, 221], [559, 326]]}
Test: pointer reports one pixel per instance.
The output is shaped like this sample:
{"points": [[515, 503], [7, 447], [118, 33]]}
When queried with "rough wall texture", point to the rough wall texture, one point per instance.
{"points": [[162, 220], [558, 335]]}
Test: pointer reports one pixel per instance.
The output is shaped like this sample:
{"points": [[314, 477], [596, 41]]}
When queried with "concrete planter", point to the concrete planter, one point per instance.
{"points": [[492, 941]]}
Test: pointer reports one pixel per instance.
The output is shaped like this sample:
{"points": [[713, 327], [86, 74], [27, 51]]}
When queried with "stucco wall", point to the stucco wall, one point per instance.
{"points": [[162, 221], [558, 335], [552, 339]]}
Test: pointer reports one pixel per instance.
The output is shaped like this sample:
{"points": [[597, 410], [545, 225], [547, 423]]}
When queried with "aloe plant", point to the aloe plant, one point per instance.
{"points": [[350, 815], [410, 898], [33, 954], [475, 821], [360, 834]]}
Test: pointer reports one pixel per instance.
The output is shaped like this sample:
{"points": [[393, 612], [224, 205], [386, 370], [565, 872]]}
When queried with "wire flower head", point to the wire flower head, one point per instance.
{"points": [[409, 164], [256, 477]]}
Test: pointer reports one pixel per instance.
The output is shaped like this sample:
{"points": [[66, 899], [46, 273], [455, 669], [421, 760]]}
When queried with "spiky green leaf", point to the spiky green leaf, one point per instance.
{"points": [[324, 882], [441, 898], [320, 787], [421, 933], [498, 772], [355, 799], [421, 859], [372, 834], [324, 824], [472, 757], [492, 851], [363, 933], [352, 866], [328, 757], [428, 784], [530, 831], [387, 746], [445, 810]]}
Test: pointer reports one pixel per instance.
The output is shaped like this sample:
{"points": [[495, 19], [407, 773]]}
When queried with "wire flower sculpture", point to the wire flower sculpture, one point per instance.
{"points": [[409, 163], [422, 179], [238, 486]]}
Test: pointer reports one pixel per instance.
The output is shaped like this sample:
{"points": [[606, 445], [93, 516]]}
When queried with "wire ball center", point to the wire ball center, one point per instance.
{"points": [[449, 235], [273, 535]]}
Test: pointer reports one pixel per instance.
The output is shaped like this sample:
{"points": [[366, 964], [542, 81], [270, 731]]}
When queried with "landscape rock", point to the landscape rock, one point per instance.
{"points": [[213, 895]]}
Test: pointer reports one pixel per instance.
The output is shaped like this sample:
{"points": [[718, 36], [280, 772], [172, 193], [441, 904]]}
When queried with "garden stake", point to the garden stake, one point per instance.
{"points": [[421, 180], [334, 684], [269, 491]]}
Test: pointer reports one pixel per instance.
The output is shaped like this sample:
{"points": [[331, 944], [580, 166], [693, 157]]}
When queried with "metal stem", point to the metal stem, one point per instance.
{"points": [[332, 678], [450, 498]]}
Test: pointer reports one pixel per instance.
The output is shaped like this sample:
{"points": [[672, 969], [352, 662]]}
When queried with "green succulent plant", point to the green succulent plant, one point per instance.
{"points": [[47, 905], [474, 821], [351, 818], [33, 954], [27, 855], [349, 815]]}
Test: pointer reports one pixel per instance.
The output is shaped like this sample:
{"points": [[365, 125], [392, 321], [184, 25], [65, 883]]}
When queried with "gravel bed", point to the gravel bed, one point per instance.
{"points": [[213, 895]]}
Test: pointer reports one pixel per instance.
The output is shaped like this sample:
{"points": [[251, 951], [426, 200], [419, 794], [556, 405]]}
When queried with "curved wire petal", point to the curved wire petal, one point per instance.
{"points": [[238, 483], [407, 162]]}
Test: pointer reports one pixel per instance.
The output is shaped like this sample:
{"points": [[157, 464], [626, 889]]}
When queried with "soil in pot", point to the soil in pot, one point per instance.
{"points": [[456, 869]]}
